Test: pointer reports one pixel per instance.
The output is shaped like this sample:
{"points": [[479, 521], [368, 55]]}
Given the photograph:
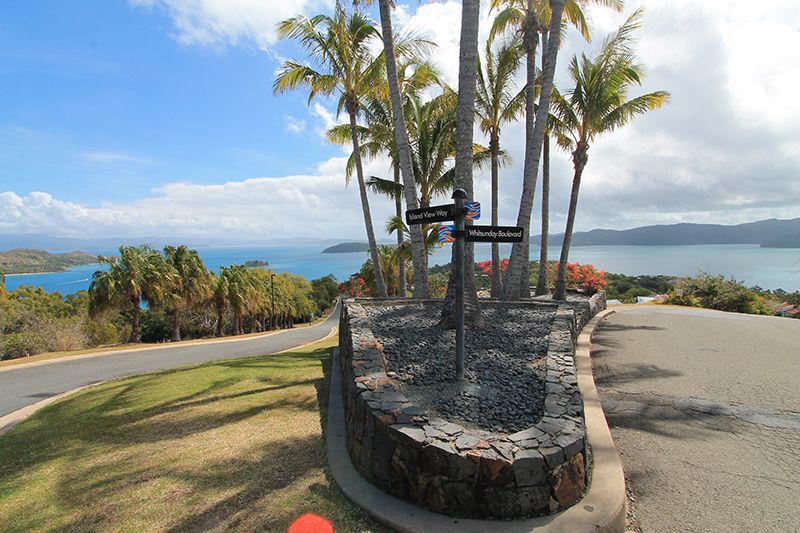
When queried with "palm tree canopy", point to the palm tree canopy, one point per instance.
{"points": [[598, 100], [513, 14], [341, 46], [497, 100], [138, 273], [192, 279]]}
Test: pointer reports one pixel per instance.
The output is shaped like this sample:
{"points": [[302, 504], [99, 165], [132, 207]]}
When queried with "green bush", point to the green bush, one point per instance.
{"points": [[23, 344], [101, 332], [680, 298], [156, 325], [723, 294]]}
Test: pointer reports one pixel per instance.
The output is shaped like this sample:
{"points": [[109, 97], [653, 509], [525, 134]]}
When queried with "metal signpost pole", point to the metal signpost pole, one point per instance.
{"points": [[459, 195]]}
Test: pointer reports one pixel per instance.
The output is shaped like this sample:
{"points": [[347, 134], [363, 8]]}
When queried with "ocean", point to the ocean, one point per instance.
{"points": [[769, 268]]}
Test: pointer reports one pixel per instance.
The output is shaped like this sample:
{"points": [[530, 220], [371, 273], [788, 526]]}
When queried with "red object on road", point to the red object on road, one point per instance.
{"points": [[311, 523]]}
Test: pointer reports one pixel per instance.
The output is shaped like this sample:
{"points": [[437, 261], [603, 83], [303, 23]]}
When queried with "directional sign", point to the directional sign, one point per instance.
{"points": [[493, 234], [446, 233], [472, 210], [429, 215]]}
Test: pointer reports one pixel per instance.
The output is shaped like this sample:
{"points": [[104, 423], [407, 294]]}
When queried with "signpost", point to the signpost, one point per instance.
{"points": [[493, 234], [428, 215], [458, 233]]}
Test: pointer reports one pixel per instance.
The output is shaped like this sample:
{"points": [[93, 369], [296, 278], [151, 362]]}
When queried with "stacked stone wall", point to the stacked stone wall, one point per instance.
{"points": [[459, 471]]}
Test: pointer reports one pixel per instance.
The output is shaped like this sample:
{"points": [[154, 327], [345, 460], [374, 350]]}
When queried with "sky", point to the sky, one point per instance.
{"points": [[157, 118]]}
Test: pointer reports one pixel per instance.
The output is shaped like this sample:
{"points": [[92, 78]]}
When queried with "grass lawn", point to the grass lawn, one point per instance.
{"points": [[227, 445]]}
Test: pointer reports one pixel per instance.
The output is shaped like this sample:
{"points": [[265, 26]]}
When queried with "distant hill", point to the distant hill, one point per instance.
{"points": [[346, 248], [787, 241], [27, 260], [764, 232]]}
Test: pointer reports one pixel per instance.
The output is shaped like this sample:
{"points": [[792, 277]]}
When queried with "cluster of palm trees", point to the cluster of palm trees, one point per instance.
{"points": [[398, 106], [176, 280]]}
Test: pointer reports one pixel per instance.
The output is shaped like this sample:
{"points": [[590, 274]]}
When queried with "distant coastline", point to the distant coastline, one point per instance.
{"points": [[20, 261]]}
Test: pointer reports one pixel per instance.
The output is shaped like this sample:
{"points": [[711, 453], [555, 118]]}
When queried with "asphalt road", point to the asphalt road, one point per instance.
{"points": [[704, 408], [23, 386]]}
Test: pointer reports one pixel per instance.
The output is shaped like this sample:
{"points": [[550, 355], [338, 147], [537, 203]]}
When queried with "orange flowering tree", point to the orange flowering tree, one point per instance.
{"points": [[583, 277]]}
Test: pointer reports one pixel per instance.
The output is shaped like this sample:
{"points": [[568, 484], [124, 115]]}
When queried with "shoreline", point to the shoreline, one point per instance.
{"points": [[48, 271]]}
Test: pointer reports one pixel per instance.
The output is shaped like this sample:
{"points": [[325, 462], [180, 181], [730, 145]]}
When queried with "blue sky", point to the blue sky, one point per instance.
{"points": [[101, 104], [156, 117]]}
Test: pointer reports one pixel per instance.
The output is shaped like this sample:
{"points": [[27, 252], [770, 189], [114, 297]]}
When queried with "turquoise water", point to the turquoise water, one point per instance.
{"points": [[770, 268]]}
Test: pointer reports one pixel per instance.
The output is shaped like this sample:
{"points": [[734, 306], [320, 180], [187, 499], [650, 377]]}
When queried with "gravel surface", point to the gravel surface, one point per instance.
{"points": [[505, 363]]}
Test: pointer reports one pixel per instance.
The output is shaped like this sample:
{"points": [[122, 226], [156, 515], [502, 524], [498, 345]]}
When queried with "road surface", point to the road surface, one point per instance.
{"points": [[23, 386], [704, 407]]}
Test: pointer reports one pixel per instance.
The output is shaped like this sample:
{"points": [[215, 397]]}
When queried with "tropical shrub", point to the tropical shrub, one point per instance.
{"points": [[486, 267], [21, 344], [356, 287], [583, 277], [721, 293]]}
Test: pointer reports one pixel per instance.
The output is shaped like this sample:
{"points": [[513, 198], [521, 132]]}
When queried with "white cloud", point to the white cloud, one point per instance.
{"points": [[294, 124], [230, 22], [112, 157], [724, 150], [318, 205]]}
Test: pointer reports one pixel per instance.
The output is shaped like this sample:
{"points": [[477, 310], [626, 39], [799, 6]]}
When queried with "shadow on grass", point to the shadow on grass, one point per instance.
{"points": [[97, 435]]}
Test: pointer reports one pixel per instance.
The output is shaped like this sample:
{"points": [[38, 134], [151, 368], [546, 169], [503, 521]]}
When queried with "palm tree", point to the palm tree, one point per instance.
{"points": [[242, 290], [192, 283], [404, 165], [498, 102], [138, 274], [219, 296], [527, 16], [598, 103], [465, 121], [341, 46], [378, 138], [573, 13]]}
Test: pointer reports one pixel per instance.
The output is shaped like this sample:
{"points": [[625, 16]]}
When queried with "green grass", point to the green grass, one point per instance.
{"points": [[229, 445]]}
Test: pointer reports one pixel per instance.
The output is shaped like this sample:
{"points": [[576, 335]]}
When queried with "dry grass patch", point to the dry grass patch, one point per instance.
{"points": [[228, 445]]}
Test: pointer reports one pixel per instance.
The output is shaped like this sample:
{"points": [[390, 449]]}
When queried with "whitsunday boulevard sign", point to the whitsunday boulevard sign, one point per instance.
{"points": [[493, 234]]}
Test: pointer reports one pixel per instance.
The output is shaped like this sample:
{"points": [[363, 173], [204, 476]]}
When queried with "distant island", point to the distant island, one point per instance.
{"points": [[347, 248], [256, 263], [771, 233], [32, 261]]}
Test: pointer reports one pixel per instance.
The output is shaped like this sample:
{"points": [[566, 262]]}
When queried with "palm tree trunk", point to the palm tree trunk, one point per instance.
{"points": [[176, 324], [541, 284], [220, 320], [580, 159], [362, 189], [516, 281], [465, 121], [136, 335], [235, 321], [419, 258], [402, 290], [494, 146]]}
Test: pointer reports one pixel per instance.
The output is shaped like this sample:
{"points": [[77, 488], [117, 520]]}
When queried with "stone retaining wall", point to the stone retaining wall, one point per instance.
{"points": [[454, 470]]}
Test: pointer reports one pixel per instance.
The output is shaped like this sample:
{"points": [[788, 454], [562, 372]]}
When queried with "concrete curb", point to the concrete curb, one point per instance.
{"points": [[602, 509], [11, 420]]}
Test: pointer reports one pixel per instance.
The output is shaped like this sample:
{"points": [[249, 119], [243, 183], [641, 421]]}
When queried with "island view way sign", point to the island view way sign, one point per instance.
{"points": [[458, 233]]}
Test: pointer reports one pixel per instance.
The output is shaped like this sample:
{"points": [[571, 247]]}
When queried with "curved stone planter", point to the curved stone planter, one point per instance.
{"points": [[454, 470]]}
